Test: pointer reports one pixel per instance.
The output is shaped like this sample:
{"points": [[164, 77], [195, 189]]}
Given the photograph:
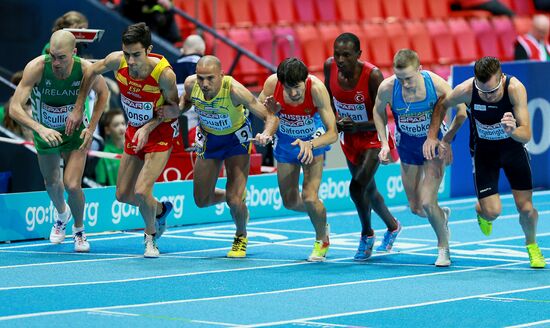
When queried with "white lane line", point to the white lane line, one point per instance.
{"points": [[126, 314], [531, 324], [398, 307], [309, 232], [69, 262]]}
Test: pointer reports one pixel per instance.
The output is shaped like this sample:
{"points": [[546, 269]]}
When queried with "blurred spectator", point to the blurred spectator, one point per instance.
{"points": [[495, 7], [534, 45], [543, 5], [114, 127], [71, 19], [9, 123], [193, 49], [157, 14]]}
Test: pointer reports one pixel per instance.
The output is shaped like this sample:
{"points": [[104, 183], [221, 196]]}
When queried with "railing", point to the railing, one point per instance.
{"points": [[240, 50]]}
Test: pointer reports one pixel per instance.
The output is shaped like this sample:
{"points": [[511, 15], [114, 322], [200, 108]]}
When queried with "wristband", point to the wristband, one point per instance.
{"points": [[311, 145]]}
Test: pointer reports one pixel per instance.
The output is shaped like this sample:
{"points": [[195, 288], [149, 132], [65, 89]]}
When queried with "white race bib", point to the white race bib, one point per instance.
{"points": [[303, 128], [138, 112], [55, 117], [490, 132], [244, 134], [215, 121], [357, 112], [415, 124]]}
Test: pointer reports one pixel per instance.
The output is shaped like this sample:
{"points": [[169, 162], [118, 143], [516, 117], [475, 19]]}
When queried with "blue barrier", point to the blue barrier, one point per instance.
{"points": [[534, 76], [30, 215]]}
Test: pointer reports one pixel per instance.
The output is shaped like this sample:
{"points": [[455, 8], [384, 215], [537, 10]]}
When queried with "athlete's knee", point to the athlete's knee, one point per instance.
{"points": [[525, 209], [50, 182], [310, 198], [123, 197], [429, 208], [417, 209], [356, 190], [142, 193], [201, 201], [291, 200], [233, 200], [490, 213], [73, 187]]}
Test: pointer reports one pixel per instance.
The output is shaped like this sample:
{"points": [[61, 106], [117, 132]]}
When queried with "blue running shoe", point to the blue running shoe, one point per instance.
{"points": [[160, 222], [364, 251], [389, 238]]}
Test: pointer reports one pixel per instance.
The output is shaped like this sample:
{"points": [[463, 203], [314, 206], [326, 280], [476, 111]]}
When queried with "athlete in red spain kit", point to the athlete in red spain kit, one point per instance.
{"points": [[146, 83], [353, 85]]}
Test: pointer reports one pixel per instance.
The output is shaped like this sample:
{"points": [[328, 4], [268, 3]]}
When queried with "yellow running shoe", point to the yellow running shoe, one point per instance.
{"points": [[535, 256], [486, 226], [319, 253], [239, 247]]}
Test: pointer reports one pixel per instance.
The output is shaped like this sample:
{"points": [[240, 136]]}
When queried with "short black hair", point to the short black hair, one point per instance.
{"points": [[486, 67], [137, 33], [349, 37], [292, 71]]}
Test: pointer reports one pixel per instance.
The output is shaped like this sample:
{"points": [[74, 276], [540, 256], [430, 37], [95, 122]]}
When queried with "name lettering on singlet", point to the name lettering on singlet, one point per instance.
{"points": [[490, 131], [55, 117], [481, 108], [297, 126], [357, 112], [415, 124], [138, 112], [211, 119]]}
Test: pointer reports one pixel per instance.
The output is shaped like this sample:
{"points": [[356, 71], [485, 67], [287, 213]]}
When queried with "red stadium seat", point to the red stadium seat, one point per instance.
{"points": [[284, 12], [465, 40], [358, 31], [522, 24], [348, 10], [189, 7], [393, 8], [265, 43], [523, 7], [262, 13], [225, 53], [506, 33], [416, 9], [397, 36], [371, 9], [313, 51], [221, 13], [379, 45], [442, 40], [287, 42], [246, 70], [305, 10], [486, 38], [326, 11], [421, 41], [329, 33], [438, 8], [240, 13]]}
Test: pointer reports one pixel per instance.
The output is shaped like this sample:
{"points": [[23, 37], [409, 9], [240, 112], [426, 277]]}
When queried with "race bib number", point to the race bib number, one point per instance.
{"points": [[176, 127], [415, 124], [319, 132], [55, 117], [490, 132], [357, 112], [138, 112], [244, 134], [214, 121], [199, 141]]}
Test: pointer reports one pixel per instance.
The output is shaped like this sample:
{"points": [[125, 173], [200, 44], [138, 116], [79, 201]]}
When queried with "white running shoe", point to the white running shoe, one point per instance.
{"points": [[57, 234], [443, 258], [81, 244], [151, 248]]}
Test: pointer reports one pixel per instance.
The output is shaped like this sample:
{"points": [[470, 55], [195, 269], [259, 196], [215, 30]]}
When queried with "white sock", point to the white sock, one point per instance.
{"points": [[77, 230], [65, 215]]}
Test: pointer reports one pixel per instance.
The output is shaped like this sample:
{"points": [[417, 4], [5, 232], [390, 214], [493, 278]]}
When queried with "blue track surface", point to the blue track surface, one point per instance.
{"points": [[489, 283]]}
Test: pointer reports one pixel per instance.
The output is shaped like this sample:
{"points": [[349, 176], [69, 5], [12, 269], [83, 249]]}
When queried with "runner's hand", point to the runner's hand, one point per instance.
{"points": [[73, 121], [445, 152], [52, 137], [140, 138], [346, 124], [272, 105], [87, 135], [262, 139], [384, 155], [306, 153], [508, 123], [169, 111], [429, 148]]}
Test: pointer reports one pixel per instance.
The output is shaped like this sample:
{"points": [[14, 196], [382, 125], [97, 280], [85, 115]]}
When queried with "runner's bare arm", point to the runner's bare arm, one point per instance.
{"points": [[266, 96], [169, 89], [380, 117], [185, 99], [241, 95], [518, 126], [321, 100]]}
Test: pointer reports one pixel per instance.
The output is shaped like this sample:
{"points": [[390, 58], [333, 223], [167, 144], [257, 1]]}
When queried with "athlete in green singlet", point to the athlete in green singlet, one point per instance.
{"points": [[52, 83]]}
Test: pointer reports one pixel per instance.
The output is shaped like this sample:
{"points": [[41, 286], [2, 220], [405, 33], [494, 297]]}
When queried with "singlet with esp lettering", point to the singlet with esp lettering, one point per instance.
{"points": [[140, 98]]}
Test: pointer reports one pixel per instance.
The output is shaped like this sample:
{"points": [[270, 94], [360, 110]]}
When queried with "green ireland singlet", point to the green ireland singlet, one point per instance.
{"points": [[52, 101]]}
